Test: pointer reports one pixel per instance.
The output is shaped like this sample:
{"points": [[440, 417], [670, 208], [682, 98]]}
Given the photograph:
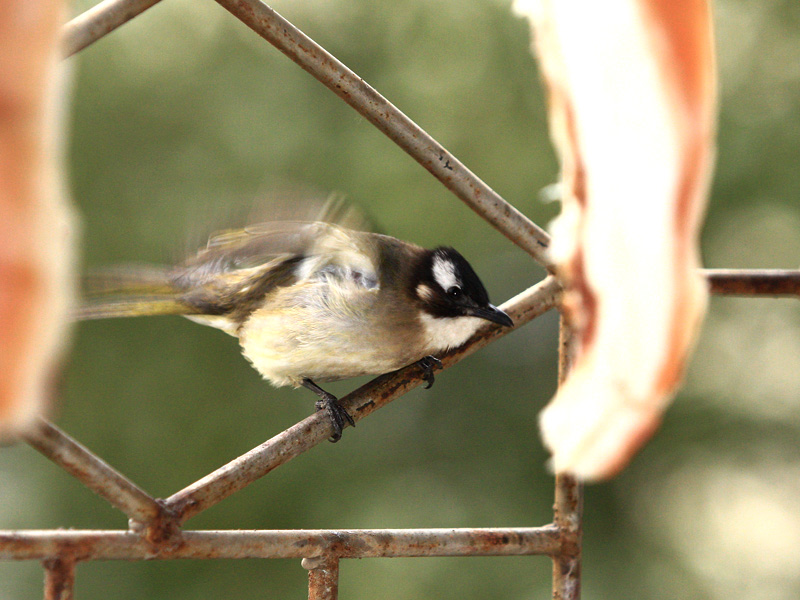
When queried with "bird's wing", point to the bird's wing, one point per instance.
{"points": [[238, 269], [348, 256], [260, 243]]}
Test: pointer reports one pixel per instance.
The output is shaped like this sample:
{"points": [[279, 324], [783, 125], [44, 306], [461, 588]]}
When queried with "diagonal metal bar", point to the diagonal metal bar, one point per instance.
{"points": [[453, 174], [253, 465], [81, 545], [753, 282], [101, 19], [93, 472]]}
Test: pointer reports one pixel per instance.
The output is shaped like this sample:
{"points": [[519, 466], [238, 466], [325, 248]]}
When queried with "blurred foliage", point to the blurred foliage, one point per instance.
{"points": [[184, 119]]}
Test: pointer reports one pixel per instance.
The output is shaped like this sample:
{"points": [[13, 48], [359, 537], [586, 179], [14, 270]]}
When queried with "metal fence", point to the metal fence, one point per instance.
{"points": [[155, 525]]}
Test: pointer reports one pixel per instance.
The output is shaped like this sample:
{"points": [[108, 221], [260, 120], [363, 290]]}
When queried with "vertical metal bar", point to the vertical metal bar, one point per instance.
{"points": [[59, 579], [569, 519], [323, 577], [568, 505]]}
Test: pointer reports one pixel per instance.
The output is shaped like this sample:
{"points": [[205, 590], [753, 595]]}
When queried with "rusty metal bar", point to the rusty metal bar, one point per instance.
{"points": [[93, 472], [80, 545], [343, 82], [323, 578], [754, 282], [101, 19], [568, 507], [59, 578], [568, 511], [256, 463]]}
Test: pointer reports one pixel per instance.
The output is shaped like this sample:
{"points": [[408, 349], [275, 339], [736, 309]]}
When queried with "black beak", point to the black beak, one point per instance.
{"points": [[493, 314]]}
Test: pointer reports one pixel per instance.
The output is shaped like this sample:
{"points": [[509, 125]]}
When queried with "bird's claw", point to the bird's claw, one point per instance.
{"points": [[330, 403], [428, 364], [336, 413]]}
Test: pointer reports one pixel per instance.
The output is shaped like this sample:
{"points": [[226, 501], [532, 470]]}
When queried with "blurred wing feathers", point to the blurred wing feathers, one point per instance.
{"points": [[235, 271]]}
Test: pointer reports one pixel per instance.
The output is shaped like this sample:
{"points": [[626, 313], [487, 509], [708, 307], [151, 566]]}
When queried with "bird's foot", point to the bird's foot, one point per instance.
{"points": [[336, 413], [330, 403], [428, 364]]}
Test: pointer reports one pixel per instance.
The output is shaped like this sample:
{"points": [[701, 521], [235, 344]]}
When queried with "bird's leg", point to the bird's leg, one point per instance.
{"points": [[428, 364], [330, 403]]}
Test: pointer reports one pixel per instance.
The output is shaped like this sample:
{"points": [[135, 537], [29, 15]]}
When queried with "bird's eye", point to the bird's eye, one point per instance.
{"points": [[454, 292]]}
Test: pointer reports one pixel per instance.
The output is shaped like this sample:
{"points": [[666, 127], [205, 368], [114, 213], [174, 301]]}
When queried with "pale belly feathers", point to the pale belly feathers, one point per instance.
{"points": [[322, 333]]}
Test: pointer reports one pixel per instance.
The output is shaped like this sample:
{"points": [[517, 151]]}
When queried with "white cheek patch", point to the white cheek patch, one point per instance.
{"points": [[444, 273]]}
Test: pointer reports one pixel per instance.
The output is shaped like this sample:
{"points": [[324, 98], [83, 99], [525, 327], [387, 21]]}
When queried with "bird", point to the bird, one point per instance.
{"points": [[311, 301]]}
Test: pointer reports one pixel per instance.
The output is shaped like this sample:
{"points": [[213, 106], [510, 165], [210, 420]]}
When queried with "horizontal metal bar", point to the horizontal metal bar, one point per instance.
{"points": [[754, 282], [397, 126], [101, 19], [93, 472], [81, 545], [249, 467]]}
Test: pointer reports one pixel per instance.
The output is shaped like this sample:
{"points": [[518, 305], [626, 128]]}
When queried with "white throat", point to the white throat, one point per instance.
{"points": [[448, 332]]}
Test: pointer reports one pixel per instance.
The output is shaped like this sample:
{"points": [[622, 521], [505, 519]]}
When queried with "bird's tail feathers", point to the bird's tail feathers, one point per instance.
{"points": [[130, 291], [128, 279], [136, 306]]}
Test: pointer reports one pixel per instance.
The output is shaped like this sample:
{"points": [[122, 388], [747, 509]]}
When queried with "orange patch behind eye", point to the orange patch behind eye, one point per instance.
{"points": [[424, 292]]}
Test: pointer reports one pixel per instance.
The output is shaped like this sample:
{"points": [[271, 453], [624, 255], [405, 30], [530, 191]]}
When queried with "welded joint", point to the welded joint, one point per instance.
{"points": [[162, 532], [569, 533], [570, 543], [315, 562]]}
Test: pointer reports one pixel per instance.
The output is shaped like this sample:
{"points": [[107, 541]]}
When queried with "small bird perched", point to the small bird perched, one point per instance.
{"points": [[312, 301]]}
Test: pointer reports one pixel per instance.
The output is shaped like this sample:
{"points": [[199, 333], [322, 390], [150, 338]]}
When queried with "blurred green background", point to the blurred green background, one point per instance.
{"points": [[184, 117]]}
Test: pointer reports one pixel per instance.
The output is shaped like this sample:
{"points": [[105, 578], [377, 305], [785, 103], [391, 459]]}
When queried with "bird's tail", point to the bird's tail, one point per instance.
{"points": [[131, 292]]}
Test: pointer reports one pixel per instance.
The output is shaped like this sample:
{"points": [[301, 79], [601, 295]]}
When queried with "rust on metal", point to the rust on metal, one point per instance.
{"points": [[753, 282], [568, 506], [82, 545], [323, 578], [59, 578], [568, 512], [163, 530]]}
